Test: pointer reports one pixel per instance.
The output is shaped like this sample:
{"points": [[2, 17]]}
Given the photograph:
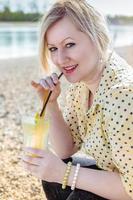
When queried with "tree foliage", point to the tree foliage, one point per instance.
{"points": [[8, 16], [19, 15]]}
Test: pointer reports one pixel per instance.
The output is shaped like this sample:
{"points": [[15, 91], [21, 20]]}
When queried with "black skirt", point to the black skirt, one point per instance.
{"points": [[53, 191]]}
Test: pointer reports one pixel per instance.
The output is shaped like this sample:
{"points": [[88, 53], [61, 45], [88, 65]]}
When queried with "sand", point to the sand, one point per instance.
{"points": [[17, 98]]}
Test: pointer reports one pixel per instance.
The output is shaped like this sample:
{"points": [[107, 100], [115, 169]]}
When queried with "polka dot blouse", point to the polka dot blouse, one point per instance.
{"points": [[105, 131]]}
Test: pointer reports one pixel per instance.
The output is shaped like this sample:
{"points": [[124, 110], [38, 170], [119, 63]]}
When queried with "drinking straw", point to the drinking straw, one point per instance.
{"points": [[45, 104]]}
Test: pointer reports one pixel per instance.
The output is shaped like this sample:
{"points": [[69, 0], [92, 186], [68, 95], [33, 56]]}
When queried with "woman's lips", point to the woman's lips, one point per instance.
{"points": [[70, 69]]}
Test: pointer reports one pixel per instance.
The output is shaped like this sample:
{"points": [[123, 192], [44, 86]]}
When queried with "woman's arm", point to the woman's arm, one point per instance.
{"points": [[103, 183], [59, 133]]}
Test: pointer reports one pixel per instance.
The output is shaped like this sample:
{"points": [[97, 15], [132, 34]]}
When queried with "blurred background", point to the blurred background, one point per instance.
{"points": [[19, 24], [19, 64]]}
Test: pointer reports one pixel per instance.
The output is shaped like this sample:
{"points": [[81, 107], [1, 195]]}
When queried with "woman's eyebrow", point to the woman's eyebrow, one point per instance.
{"points": [[61, 41]]}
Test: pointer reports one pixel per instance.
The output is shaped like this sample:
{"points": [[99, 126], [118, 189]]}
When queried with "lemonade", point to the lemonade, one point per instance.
{"points": [[35, 131]]}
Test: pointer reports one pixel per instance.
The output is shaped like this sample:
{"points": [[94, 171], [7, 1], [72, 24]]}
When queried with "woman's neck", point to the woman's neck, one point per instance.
{"points": [[94, 82]]}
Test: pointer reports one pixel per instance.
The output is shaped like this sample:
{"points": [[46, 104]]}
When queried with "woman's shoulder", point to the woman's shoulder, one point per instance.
{"points": [[122, 74], [120, 66], [120, 96], [121, 81]]}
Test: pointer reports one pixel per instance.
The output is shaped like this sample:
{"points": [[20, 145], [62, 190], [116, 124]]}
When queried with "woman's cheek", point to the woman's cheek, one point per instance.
{"points": [[54, 59]]}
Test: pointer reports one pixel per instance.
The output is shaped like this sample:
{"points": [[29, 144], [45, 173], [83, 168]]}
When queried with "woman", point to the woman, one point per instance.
{"points": [[98, 117]]}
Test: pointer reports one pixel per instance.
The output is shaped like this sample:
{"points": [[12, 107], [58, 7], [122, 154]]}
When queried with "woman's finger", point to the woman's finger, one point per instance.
{"points": [[44, 84], [40, 153], [50, 82], [32, 160], [54, 77], [29, 167], [34, 84]]}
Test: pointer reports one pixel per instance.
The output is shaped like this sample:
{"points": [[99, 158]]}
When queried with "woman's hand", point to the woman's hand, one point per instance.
{"points": [[50, 83], [45, 166]]}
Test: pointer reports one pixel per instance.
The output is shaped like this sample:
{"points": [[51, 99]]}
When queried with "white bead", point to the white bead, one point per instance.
{"points": [[75, 176]]}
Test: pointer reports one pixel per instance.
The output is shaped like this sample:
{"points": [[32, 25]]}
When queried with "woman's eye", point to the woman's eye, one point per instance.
{"points": [[70, 45], [52, 49]]}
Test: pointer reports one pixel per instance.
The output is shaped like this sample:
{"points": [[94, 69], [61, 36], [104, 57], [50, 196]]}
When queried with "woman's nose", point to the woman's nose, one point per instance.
{"points": [[62, 58]]}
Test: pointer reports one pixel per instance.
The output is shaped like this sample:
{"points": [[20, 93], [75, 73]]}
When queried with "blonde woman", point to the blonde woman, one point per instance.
{"points": [[99, 113]]}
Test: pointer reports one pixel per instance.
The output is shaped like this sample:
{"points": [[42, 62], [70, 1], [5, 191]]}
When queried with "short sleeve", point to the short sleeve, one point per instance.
{"points": [[71, 116], [118, 118]]}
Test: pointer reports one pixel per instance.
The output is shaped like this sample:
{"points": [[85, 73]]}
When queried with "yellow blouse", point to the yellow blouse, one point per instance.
{"points": [[105, 131]]}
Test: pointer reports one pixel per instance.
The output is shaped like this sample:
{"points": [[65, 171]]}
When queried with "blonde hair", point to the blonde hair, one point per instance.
{"points": [[84, 16]]}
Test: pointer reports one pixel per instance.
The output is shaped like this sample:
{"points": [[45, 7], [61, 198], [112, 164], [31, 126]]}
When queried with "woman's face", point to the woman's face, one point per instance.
{"points": [[72, 51]]}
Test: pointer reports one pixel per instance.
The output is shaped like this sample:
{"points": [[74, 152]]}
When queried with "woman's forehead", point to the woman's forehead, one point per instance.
{"points": [[61, 30]]}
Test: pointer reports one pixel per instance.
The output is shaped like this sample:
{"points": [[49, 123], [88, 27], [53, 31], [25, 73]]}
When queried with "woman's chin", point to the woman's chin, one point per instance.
{"points": [[72, 79]]}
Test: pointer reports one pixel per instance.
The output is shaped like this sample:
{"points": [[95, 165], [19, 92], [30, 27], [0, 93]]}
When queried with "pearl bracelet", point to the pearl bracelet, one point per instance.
{"points": [[66, 176], [75, 176]]}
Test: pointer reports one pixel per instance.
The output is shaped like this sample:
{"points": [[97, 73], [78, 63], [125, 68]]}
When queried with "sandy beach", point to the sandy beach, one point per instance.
{"points": [[17, 98]]}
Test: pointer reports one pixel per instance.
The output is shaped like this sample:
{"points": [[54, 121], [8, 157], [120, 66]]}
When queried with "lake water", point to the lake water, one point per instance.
{"points": [[22, 40]]}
